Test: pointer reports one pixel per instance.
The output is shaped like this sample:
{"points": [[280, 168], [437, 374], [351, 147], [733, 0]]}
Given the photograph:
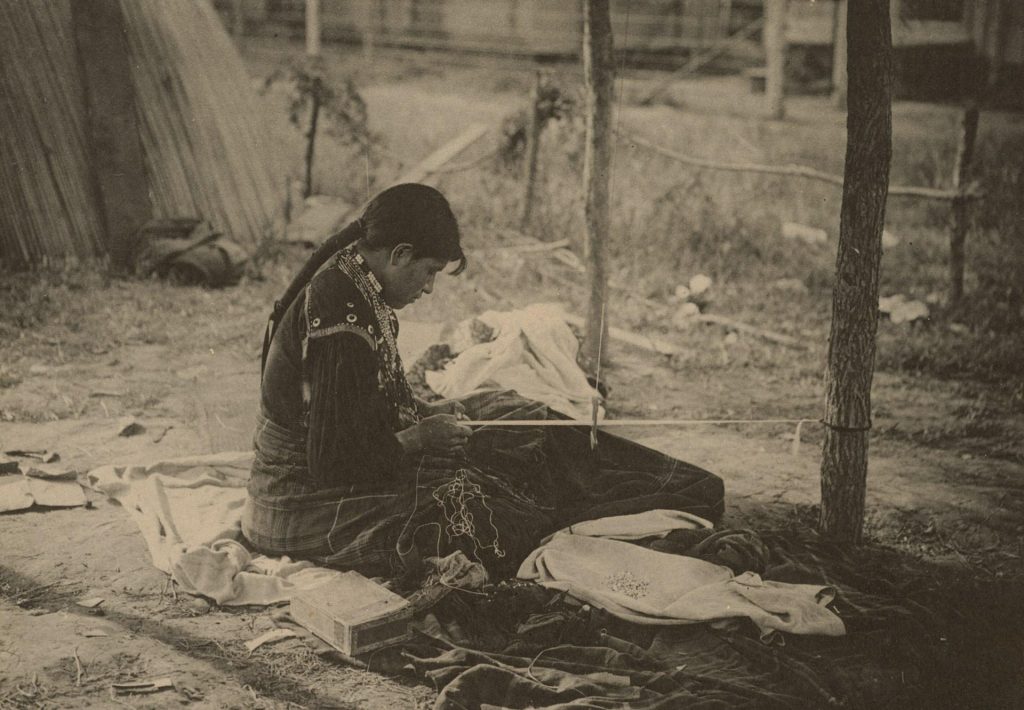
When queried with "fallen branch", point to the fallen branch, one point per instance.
{"points": [[753, 330], [641, 341], [929, 193]]}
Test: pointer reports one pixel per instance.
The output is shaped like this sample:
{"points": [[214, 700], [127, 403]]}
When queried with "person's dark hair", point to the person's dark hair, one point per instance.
{"points": [[414, 214]]}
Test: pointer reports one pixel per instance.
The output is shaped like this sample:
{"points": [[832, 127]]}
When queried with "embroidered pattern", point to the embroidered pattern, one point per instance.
{"points": [[392, 372]]}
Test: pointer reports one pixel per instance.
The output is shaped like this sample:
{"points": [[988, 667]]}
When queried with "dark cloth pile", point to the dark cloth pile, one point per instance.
{"points": [[535, 481], [517, 645]]}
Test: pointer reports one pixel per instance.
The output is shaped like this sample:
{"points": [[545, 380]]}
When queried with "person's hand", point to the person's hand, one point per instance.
{"points": [[444, 406], [437, 434]]}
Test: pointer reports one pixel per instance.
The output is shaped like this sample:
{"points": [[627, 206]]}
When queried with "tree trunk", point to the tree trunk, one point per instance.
{"points": [[851, 350], [598, 73], [307, 187], [313, 28], [775, 57]]}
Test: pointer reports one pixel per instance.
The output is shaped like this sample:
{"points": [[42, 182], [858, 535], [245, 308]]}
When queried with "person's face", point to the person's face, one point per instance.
{"points": [[407, 277]]}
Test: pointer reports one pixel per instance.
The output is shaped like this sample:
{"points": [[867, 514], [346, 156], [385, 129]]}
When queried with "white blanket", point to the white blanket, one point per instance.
{"points": [[532, 351], [189, 513], [649, 587]]}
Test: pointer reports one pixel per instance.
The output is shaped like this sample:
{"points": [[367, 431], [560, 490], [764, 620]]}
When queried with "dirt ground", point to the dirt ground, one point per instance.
{"points": [[945, 485]]}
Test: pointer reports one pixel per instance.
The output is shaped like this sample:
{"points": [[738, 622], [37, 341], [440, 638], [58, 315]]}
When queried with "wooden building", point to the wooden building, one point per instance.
{"points": [[943, 47], [516, 27]]}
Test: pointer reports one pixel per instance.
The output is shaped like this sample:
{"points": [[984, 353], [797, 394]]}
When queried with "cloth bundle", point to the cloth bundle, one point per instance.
{"points": [[531, 350], [592, 562]]}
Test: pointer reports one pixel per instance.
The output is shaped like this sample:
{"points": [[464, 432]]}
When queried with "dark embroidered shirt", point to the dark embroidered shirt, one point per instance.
{"points": [[334, 378]]}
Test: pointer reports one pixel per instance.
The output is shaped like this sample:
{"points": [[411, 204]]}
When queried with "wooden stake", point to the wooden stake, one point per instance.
{"points": [[961, 168], [313, 28], [775, 57], [839, 56], [851, 348], [307, 185], [534, 123], [598, 70], [370, 31]]}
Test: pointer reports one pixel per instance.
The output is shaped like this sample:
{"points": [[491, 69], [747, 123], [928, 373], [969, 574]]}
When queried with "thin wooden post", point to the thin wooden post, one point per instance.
{"points": [[313, 28], [996, 41], [370, 31], [534, 124], [314, 115], [839, 55], [851, 348], [115, 141], [775, 57], [961, 168], [598, 70]]}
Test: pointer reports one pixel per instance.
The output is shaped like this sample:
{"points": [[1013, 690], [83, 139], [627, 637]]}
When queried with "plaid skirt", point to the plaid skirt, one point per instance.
{"points": [[514, 486]]}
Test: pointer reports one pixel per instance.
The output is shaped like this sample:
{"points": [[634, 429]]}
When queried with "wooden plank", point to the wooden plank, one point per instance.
{"points": [[115, 142], [442, 155], [699, 59], [641, 341], [421, 172]]}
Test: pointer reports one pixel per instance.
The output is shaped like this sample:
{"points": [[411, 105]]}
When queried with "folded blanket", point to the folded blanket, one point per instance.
{"points": [[189, 513], [649, 587]]}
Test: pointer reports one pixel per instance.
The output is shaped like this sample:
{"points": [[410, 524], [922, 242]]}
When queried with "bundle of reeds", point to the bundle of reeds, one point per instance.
{"points": [[207, 152], [48, 202]]}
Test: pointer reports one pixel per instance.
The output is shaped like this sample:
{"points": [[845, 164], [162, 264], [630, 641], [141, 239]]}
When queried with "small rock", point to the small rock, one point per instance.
{"points": [[803, 233], [699, 284], [901, 310], [682, 292], [199, 604], [794, 285], [731, 338], [127, 426]]}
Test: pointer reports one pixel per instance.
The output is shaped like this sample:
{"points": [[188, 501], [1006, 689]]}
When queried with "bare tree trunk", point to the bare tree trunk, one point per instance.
{"points": [[839, 56], [775, 57], [313, 28], [598, 71], [851, 349], [533, 128], [961, 169]]}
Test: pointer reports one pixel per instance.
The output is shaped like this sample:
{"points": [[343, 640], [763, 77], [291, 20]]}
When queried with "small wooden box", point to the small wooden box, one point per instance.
{"points": [[353, 614]]}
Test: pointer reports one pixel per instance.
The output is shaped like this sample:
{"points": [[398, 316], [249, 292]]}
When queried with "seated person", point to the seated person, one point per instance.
{"points": [[353, 471]]}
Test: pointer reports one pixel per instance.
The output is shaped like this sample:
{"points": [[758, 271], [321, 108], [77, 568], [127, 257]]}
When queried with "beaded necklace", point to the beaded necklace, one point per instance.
{"points": [[392, 372]]}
